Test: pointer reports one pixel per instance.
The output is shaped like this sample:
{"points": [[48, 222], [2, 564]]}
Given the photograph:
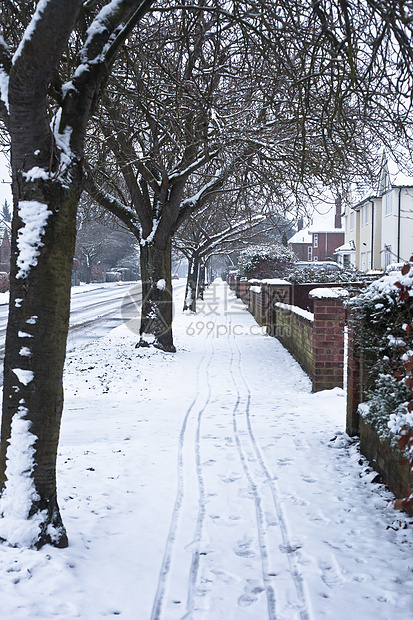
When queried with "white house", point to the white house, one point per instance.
{"points": [[379, 225]]}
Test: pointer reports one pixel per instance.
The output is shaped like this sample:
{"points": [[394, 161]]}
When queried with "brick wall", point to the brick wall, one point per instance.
{"points": [[355, 387], [300, 293], [262, 294], [295, 331], [316, 340], [257, 304], [388, 460]]}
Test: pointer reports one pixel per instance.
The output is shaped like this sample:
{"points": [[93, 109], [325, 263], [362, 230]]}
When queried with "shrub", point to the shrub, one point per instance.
{"points": [[387, 407], [261, 263], [317, 274], [380, 319]]}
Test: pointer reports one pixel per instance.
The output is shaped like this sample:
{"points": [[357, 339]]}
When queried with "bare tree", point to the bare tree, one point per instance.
{"points": [[202, 100], [223, 226]]}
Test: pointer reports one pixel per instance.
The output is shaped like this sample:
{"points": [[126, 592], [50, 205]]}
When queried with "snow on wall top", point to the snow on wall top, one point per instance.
{"points": [[328, 293], [296, 310], [254, 282], [275, 281]]}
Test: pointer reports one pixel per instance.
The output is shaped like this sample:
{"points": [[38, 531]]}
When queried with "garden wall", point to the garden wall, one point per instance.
{"points": [[315, 340], [388, 460], [294, 329]]}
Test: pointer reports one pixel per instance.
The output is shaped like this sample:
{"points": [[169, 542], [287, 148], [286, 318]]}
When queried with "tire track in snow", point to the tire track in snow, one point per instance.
{"points": [[171, 568], [240, 385]]}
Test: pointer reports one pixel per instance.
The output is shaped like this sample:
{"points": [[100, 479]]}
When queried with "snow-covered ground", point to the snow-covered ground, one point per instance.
{"points": [[210, 484]]}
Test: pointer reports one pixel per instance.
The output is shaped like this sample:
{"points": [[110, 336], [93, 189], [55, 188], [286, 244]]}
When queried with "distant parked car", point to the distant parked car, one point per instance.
{"points": [[328, 265], [175, 276]]}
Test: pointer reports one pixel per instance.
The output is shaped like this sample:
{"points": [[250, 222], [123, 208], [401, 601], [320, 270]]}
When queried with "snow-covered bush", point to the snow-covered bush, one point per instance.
{"points": [[318, 274], [380, 319], [387, 407], [266, 262], [383, 316]]}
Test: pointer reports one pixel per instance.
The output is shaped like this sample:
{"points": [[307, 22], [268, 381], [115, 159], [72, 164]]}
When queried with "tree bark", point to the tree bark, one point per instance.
{"points": [[36, 344], [201, 280], [157, 299], [191, 284]]}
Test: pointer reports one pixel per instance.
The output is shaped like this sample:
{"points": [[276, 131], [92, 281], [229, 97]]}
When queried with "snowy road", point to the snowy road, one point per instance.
{"points": [[210, 484], [95, 311]]}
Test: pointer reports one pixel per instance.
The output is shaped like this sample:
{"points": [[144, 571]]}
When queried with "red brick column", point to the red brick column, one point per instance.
{"points": [[243, 289], [231, 280], [328, 338]]}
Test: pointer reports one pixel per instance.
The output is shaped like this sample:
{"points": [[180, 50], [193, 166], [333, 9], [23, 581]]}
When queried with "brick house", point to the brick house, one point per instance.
{"points": [[319, 241], [301, 243]]}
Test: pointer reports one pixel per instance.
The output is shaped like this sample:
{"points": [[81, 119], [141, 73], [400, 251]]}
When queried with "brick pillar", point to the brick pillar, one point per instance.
{"points": [[243, 289], [328, 339], [354, 382], [236, 289], [231, 280]]}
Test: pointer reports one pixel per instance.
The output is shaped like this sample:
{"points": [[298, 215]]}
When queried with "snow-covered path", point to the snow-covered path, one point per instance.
{"points": [[211, 484]]}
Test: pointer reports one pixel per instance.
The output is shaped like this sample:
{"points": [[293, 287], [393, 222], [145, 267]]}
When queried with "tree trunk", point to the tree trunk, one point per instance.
{"points": [[157, 299], [191, 283], [35, 350], [201, 281]]}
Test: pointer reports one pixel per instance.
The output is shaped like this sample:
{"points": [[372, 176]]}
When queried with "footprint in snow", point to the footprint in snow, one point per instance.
{"points": [[296, 500], [292, 547], [330, 572], [233, 477], [309, 479], [251, 592], [243, 549]]}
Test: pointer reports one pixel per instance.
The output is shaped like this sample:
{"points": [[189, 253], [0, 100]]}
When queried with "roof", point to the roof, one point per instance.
{"points": [[302, 236], [400, 177], [346, 247], [327, 231]]}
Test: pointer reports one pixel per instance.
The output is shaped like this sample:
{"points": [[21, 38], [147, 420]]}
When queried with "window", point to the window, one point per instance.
{"points": [[387, 255], [315, 258], [310, 253], [366, 214], [352, 220], [388, 203], [315, 240], [346, 260]]}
